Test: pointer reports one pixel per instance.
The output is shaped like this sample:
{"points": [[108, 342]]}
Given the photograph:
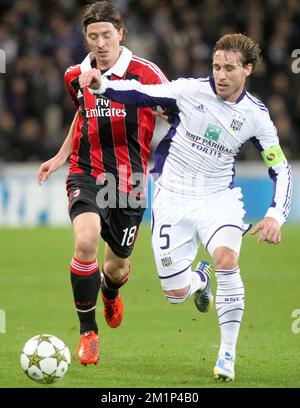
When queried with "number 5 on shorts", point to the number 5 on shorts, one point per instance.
{"points": [[129, 236], [165, 236]]}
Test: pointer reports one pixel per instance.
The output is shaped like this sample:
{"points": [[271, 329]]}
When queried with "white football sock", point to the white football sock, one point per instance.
{"points": [[230, 307]]}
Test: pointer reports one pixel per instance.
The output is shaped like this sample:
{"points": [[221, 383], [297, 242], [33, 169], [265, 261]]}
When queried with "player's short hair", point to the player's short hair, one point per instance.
{"points": [[102, 11], [250, 50]]}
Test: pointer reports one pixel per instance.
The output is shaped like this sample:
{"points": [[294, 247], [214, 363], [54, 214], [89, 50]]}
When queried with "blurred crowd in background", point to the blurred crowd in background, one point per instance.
{"points": [[41, 39]]}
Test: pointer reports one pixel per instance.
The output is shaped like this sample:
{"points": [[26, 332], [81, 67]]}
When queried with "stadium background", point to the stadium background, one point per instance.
{"points": [[40, 40]]}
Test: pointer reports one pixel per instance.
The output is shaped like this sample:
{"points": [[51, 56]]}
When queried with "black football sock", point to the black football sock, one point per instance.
{"points": [[110, 289], [85, 279]]}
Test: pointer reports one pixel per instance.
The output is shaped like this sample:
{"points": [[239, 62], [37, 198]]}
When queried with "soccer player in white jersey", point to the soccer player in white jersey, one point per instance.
{"points": [[195, 201]]}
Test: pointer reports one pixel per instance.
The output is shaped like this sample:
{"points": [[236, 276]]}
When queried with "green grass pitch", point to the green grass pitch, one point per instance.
{"points": [[158, 344]]}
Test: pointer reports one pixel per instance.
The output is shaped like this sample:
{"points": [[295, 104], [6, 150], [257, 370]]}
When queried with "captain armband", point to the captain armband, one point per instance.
{"points": [[272, 156]]}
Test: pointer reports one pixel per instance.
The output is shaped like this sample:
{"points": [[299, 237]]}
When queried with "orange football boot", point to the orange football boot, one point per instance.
{"points": [[88, 349], [113, 310]]}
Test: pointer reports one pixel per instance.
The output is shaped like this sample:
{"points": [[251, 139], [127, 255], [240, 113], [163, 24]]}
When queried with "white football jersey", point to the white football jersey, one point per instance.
{"points": [[197, 155]]}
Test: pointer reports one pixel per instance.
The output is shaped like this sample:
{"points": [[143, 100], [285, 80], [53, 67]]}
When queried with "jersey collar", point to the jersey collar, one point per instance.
{"points": [[118, 69]]}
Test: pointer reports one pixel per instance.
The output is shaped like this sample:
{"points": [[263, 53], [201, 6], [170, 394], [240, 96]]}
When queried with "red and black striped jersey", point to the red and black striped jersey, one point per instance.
{"points": [[111, 138]]}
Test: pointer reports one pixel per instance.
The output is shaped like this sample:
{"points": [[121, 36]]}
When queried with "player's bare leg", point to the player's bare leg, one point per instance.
{"points": [[199, 286], [115, 274], [86, 279]]}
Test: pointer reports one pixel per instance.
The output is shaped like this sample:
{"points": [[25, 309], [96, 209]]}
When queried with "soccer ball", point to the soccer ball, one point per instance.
{"points": [[45, 358]]}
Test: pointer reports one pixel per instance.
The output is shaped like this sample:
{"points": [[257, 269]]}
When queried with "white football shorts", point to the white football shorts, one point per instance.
{"points": [[180, 224]]}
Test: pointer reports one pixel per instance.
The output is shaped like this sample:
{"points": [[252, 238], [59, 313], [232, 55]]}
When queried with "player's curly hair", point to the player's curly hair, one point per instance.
{"points": [[250, 50], [102, 11]]}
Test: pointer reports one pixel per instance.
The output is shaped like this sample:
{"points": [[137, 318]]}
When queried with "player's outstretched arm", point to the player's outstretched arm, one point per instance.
{"points": [[133, 92], [56, 162], [269, 230]]}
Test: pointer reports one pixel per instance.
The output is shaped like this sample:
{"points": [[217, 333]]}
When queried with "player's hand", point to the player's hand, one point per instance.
{"points": [[91, 79], [161, 115], [49, 167], [164, 115], [269, 231]]}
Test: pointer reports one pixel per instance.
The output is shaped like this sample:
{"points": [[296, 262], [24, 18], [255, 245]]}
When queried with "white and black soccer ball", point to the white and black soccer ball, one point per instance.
{"points": [[45, 358]]}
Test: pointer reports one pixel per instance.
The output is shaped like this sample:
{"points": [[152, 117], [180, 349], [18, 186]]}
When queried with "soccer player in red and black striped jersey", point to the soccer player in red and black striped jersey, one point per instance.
{"points": [[108, 144]]}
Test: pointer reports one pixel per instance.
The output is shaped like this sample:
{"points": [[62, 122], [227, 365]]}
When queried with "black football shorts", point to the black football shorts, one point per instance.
{"points": [[120, 213]]}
